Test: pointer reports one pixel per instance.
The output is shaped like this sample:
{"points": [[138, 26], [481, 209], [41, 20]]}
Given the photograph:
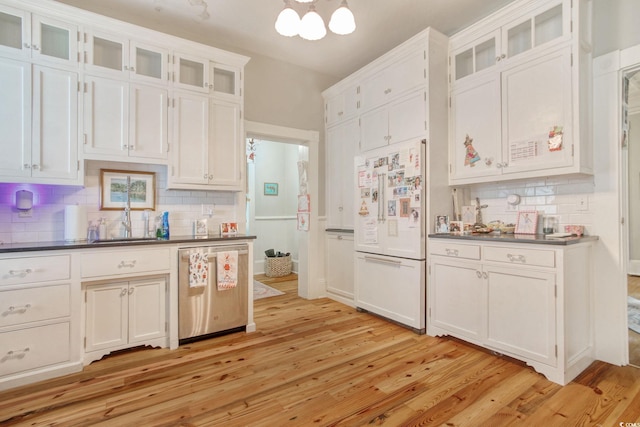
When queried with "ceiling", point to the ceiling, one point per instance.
{"points": [[247, 26]]}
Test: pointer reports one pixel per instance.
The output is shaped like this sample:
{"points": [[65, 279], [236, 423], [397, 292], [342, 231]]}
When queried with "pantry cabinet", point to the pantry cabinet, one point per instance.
{"points": [[528, 301], [342, 145], [123, 314], [519, 92]]}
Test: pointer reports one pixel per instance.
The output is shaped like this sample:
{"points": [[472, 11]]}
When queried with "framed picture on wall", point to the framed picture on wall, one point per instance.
{"points": [[270, 188], [118, 185]]}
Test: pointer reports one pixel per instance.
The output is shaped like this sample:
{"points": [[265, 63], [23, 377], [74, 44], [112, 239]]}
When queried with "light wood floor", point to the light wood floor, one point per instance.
{"points": [[320, 363]]}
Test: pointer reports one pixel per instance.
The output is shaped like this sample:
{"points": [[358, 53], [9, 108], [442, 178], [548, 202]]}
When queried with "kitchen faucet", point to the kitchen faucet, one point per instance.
{"points": [[126, 214]]}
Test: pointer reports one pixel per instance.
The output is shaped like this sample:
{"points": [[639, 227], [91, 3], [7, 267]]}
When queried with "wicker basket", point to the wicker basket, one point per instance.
{"points": [[277, 266]]}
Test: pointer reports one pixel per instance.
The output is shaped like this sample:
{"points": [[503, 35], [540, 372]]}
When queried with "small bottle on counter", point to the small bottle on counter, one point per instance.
{"points": [[102, 228]]}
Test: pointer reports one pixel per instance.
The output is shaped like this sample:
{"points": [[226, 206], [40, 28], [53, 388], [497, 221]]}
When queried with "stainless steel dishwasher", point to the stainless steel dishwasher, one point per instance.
{"points": [[206, 310]]}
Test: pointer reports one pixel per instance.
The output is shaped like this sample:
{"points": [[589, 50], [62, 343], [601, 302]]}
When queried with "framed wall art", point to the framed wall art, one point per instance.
{"points": [[270, 189], [527, 222], [118, 185]]}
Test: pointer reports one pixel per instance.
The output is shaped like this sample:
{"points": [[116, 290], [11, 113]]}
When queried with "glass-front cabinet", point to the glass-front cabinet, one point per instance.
{"points": [[226, 81], [191, 73], [109, 54], [538, 27], [25, 35]]}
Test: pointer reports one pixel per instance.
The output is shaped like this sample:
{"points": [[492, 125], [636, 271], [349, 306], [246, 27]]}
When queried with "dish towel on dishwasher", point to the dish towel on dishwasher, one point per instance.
{"points": [[198, 269], [227, 263]]}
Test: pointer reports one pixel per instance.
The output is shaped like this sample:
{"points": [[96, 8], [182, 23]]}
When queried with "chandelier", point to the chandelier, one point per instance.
{"points": [[311, 26]]}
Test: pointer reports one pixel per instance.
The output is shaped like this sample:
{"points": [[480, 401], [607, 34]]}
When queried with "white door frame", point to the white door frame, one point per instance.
{"points": [[309, 274]]}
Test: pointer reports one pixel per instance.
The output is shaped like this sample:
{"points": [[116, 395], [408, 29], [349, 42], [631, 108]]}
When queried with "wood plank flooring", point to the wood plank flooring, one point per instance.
{"points": [[320, 363]]}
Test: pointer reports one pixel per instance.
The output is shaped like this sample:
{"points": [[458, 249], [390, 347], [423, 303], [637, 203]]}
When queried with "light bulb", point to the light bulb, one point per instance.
{"points": [[312, 26], [288, 22], [342, 21]]}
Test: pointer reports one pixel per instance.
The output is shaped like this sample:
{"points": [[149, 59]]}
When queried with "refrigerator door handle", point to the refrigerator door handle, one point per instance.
{"points": [[382, 260], [381, 196]]}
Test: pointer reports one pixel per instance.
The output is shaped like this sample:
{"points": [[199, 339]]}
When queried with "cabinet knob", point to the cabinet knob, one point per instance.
{"points": [[26, 166], [132, 147], [206, 176], [35, 167], [132, 68], [210, 176], [35, 47]]}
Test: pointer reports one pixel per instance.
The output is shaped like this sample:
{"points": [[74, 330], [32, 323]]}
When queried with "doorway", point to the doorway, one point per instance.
{"points": [[631, 139], [310, 249]]}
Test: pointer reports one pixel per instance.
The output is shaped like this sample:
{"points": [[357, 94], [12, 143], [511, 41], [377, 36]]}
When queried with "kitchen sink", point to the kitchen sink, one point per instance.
{"points": [[124, 240]]}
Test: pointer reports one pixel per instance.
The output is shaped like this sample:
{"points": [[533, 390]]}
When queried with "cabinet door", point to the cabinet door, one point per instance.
{"points": [[107, 54], [190, 139], [15, 118], [15, 32], [342, 146], [475, 141], [391, 287], [148, 122], [226, 81], [537, 98], [191, 73], [374, 129], [408, 118], [148, 63], [479, 55], [106, 316], [522, 313], [147, 314], [106, 120], [54, 41], [457, 298], [340, 273], [55, 124], [226, 148]]}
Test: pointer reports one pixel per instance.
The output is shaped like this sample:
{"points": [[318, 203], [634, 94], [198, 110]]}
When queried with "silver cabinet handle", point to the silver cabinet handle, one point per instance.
{"points": [[383, 260], [27, 46], [20, 309], [20, 273], [26, 166], [130, 264], [35, 166], [451, 252], [485, 275], [15, 354], [131, 290], [479, 274], [35, 47], [517, 258], [123, 292]]}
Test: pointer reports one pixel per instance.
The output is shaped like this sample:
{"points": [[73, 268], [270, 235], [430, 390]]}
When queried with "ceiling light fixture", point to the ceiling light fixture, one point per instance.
{"points": [[311, 26]]}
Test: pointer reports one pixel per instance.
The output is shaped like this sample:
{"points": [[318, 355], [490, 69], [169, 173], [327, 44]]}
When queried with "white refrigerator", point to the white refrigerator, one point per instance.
{"points": [[390, 232]]}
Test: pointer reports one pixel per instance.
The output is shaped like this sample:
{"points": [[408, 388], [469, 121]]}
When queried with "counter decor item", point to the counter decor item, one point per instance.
{"points": [[527, 222], [227, 228], [114, 192], [578, 230], [200, 228]]}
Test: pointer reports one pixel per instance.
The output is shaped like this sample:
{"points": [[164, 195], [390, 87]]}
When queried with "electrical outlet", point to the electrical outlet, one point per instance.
{"points": [[583, 203]]}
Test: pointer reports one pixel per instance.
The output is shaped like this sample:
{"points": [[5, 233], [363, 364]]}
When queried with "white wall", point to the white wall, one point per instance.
{"points": [[275, 224], [47, 222]]}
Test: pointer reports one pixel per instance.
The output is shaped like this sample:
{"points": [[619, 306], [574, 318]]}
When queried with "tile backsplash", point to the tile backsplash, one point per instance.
{"points": [[47, 220], [569, 199]]}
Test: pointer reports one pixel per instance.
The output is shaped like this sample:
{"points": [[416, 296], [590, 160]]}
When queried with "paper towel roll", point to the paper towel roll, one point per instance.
{"points": [[75, 223]]}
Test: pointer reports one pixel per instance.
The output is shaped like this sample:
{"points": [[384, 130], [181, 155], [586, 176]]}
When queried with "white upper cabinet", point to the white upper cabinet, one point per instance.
{"points": [[535, 27], [32, 36], [191, 72], [519, 95], [343, 105], [226, 81], [115, 55]]}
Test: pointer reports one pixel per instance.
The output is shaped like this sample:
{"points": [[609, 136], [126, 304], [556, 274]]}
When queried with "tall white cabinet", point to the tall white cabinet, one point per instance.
{"points": [[399, 97], [520, 93]]}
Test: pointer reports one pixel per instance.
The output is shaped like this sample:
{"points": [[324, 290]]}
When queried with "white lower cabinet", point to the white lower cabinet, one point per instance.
{"points": [[340, 274], [39, 321], [531, 302], [391, 287], [124, 314]]}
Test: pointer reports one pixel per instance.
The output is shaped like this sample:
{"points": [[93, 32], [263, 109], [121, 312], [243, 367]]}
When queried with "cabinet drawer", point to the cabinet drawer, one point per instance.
{"points": [[14, 271], [33, 304], [454, 250], [32, 348], [125, 262], [537, 257]]}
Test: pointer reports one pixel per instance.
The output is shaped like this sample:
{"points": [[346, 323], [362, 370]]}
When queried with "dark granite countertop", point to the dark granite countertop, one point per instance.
{"points": [[540, 239], [60, 245]]}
